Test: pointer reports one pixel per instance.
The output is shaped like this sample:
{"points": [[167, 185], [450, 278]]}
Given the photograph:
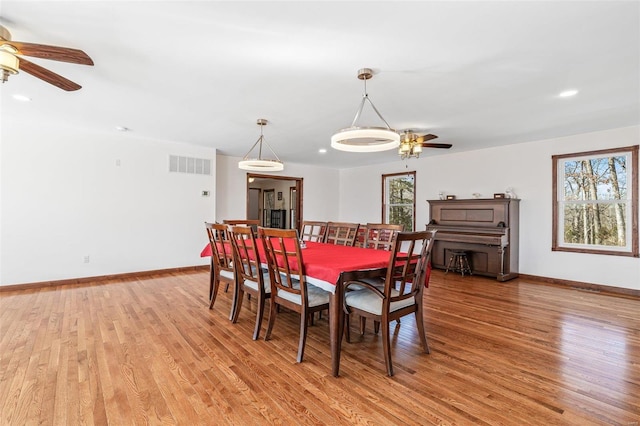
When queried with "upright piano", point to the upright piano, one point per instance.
{"points": [[487, 229]]}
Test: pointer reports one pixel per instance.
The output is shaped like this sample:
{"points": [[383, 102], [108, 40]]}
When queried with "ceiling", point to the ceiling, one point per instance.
{"points": [[477, 74]]}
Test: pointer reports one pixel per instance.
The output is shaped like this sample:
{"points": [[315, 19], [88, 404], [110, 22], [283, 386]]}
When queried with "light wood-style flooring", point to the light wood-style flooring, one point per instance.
{"points": [[149, 351]]}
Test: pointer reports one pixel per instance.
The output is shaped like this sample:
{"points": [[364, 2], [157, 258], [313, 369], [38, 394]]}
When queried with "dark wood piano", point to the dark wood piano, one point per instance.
{"points": [[486, 228]]}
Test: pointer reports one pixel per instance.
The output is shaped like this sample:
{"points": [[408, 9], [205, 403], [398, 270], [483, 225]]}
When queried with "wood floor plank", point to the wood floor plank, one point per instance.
{"points": [[149, 351]]}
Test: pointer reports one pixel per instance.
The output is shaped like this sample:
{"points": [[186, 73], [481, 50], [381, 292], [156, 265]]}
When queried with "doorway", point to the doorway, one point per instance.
{"points": [[275, 200]]}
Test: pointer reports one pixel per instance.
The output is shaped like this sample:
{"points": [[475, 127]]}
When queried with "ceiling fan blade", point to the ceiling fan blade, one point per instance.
{"points": [[437, 145], [48, 76], [55, 53], [425, 138]]}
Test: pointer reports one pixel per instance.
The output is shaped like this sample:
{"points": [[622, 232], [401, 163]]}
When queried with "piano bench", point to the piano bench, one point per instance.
{"points": [[459, 262]]}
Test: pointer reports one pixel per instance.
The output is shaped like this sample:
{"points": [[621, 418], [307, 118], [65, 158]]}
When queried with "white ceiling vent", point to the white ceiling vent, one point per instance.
{"points": [[190, 165]]}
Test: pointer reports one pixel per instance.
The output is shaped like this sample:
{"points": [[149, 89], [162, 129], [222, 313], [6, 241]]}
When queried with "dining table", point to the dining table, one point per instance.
{"points": [[331, 267]]}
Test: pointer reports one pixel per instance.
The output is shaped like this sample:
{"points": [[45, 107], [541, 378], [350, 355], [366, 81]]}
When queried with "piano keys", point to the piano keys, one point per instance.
{"points": [[486, 228]]}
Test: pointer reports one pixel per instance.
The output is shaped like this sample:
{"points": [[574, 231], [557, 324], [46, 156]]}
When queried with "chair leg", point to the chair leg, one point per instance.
{"points": [[461, 264], [347, 327], [234, 300], [259, 315], [235, 312], [376, 327], [386, 342], [212, 279], [214, 293], [363, 325], [303, 334], [451, 261], [420, 324], [273, 311]]}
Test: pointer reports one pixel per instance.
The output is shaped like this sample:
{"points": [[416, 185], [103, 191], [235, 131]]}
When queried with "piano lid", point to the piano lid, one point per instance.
{"points": [[486, 213]]}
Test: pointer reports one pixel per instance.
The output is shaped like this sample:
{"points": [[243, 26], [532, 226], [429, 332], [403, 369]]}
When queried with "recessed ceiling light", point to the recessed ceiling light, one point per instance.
{"points": [[322, 151], [568, 93], [122, 129], [22, 98]]}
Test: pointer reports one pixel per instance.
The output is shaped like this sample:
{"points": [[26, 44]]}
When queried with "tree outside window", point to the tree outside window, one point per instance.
{"points": [[398, 199], [595, 207]]}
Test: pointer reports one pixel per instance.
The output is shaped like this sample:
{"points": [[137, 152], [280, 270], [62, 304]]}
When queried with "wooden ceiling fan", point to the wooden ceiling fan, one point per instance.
{"points": [[11, 60], [411, 144]]}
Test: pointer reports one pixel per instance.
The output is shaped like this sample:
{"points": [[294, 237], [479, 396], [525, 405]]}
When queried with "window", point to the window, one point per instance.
{"points": [[398, 199], [595, 205]]}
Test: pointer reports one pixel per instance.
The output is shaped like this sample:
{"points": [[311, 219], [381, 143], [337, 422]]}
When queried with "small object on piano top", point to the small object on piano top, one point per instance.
{"points": [[499, 195], [451, 197]]}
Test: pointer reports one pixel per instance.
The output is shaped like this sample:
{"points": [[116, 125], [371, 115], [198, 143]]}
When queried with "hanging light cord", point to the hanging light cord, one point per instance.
{"points": [[260, 141], [365, 97]]}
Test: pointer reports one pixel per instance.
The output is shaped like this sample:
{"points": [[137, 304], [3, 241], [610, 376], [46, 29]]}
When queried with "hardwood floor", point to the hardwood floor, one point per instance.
{"points": [[150, 352]]}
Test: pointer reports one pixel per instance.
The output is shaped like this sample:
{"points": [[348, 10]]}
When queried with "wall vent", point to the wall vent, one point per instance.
{"points": [[190, 165]]}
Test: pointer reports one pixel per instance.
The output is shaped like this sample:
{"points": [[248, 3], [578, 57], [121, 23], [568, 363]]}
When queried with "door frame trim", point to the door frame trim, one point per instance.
{"points": [[299, 187]]}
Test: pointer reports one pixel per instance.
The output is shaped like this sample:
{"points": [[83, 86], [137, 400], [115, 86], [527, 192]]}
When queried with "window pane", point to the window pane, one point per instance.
{"points": [[402, 215], [603, 178], [398, 199], [601, 224], [401, 190]]}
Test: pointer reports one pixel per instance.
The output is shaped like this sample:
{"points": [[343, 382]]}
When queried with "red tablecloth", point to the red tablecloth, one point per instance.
{"points": [[325, 262]]}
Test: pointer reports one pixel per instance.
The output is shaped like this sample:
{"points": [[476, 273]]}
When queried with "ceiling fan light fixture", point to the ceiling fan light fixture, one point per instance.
{"points": [[411, 145], [9, 64], [365, 139], [405, 146], [260, 164]]}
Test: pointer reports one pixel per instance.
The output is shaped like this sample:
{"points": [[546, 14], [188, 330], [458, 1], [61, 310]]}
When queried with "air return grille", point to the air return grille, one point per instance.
{"points": [[190, 165]]}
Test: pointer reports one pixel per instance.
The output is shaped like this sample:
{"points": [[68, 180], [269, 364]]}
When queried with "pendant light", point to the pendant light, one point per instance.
{"points": [[260, 164], [366, 139]]}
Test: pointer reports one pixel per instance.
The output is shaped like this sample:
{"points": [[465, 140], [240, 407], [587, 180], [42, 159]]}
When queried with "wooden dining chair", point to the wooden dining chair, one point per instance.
{"points": [[289, 287], [251, 278], [313, 231], [402, 293], [221, 260], [380, 236], [341, 233]]}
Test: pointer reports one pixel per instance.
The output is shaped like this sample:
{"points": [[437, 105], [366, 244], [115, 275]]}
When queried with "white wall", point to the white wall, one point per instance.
{"points": [[320, 190], [64, 197], [526, 168]]}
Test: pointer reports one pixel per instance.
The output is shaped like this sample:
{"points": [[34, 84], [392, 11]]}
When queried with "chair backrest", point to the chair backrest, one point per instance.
{"points": [[341, 233], [313, 231], [407, 270], [361, 236], [284, 260], [253, 223], [221, 250], [381, 235], [246, 255]]}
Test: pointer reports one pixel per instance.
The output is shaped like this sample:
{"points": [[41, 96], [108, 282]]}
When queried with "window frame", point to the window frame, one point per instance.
{"points": [[558, 192], [385, 205]]}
